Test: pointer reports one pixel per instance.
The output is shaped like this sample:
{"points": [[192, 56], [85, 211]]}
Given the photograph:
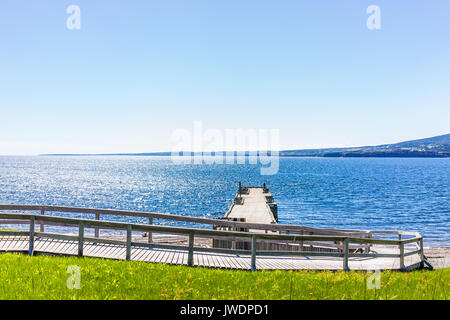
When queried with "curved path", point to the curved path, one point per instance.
{"points": [[203, 259]]}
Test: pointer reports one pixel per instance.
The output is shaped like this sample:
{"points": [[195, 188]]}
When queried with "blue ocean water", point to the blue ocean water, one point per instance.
{"points": [[359, 193]]}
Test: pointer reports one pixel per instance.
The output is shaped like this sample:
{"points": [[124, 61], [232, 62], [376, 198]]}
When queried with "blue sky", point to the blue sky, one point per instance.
{"points": [[138, 70]]}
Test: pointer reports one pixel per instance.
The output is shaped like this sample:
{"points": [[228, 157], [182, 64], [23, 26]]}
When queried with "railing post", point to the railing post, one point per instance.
{"points": [[367, 249], [191, 250], [402, 255], [80, 238], [128, 254], [253, 262], [301, 242], [97, 230], [42, 229], [150, 221], [345, 249], [31, 243], [422, 256]]}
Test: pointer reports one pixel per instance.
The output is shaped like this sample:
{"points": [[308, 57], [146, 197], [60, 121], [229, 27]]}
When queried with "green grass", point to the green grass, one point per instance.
{"points": [[44, 277]]}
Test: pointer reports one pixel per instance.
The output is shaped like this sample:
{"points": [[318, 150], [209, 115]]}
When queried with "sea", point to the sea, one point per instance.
{"points": [[411, 194]]}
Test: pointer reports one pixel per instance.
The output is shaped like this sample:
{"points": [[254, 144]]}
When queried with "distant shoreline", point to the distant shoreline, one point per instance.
{"points": [[434, 147], [281, 154]]}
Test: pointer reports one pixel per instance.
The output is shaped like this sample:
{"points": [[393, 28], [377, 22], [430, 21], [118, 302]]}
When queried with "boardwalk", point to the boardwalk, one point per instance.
{"points": [[266, 245], [210, 260]]}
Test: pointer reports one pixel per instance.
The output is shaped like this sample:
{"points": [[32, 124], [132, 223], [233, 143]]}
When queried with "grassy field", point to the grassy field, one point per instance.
{"points": [[45, 277]]}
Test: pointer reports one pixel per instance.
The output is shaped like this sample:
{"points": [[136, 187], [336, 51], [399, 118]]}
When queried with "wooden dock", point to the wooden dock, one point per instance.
{"points": [[254, 205]]}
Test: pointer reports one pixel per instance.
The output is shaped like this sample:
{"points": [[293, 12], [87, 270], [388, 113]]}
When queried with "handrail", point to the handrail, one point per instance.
{"points": [[192, 232], [210, 221]]}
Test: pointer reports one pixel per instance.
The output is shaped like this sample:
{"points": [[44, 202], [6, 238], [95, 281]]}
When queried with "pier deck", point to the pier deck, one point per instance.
{"points": [[254, 207]]}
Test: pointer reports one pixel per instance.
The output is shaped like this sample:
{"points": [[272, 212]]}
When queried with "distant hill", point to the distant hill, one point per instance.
{"points": [[434, 147]]}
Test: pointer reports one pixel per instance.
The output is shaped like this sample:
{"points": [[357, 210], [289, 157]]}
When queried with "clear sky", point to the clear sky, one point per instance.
{"points": [[137, 70]]}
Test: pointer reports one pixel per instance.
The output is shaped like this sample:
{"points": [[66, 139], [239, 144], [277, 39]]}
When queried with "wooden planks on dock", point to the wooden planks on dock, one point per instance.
{"points": [[254, 207]]}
